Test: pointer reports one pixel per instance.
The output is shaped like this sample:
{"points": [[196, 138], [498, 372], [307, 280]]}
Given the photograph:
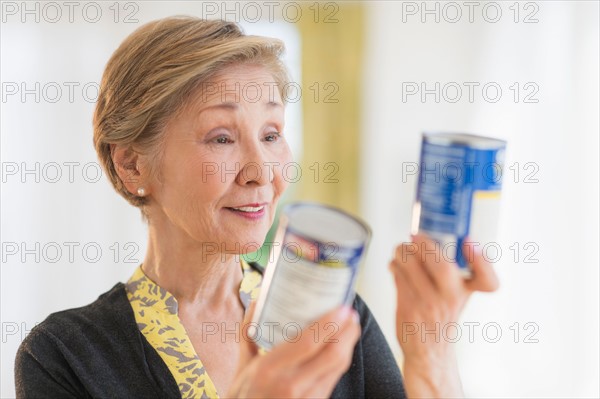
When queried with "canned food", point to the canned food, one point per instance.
{"points": [[312, 271], [458, 191]]}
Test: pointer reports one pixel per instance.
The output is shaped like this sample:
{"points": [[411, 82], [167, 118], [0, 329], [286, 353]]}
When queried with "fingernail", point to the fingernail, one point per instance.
{"points": [[343, 313], [252, 332]]}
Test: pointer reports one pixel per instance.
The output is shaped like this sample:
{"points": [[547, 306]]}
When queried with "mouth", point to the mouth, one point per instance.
{"points": [[249, 211]]}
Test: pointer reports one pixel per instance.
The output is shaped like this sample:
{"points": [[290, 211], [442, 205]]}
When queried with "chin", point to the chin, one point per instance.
{"points": [[244, 243], [253, 243], [243, 236]]}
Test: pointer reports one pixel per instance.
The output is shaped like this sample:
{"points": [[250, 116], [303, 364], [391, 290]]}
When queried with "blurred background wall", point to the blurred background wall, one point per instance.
{"points": [[373, 76]]}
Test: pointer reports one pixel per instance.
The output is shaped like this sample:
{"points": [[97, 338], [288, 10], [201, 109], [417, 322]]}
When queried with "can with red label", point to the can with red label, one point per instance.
{"points": [[312, 269]]}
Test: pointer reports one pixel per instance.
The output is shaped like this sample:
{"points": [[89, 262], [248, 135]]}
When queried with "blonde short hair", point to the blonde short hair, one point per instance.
{"points": [[150, 77]]}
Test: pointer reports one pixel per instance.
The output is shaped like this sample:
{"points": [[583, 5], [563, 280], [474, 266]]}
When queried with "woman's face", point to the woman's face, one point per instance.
{"points": [[221, 170]]}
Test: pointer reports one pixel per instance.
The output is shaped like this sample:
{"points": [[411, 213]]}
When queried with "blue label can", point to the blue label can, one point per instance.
{"points": [[458, 192]]}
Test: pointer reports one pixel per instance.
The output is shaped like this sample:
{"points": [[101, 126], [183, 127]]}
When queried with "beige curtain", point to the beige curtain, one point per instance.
{"points": [[331, 76]]}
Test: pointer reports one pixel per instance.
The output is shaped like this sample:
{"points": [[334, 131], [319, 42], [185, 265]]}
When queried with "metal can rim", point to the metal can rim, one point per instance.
{"points": [[464, 139], [287, 209]]}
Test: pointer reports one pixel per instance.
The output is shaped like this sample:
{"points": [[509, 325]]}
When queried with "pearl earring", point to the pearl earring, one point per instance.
{"points": [[141, 192]]}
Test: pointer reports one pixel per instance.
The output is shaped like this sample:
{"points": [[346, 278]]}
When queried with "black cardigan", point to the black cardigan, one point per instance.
{"points": [[98, 351]]}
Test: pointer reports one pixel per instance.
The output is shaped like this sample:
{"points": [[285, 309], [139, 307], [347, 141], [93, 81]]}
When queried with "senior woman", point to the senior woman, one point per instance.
{"points": [[189, 127]]}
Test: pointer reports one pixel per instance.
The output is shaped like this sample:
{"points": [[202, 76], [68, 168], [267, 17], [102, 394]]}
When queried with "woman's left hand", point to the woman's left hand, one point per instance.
{"points": [[301, 368], [431, 294]]}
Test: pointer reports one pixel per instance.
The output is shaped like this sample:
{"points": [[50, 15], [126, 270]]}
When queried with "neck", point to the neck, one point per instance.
{"points": [[195, 273]]}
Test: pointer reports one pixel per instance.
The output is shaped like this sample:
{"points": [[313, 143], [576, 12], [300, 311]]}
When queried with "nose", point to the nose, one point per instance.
{"points": [[256, 169]]}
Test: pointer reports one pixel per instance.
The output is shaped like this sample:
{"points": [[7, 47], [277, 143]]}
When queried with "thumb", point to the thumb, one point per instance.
{"points": [[484, 277], [248, 348]]}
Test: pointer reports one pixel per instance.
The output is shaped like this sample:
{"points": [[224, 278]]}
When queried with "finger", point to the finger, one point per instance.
{"points": [[417, 277], [291, 354], [319, 375], [324, 386], [444, 273], [249, 315], [484, 277]]}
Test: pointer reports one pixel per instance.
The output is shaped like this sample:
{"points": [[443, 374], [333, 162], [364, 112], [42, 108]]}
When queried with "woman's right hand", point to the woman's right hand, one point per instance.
{"points": [[310, 367]]}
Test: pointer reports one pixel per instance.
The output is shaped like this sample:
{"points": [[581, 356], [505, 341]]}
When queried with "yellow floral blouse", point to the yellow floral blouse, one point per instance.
{"points": [[156, 315]]}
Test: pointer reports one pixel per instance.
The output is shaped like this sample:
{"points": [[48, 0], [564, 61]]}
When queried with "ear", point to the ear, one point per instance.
{"points": [[128, 166]]}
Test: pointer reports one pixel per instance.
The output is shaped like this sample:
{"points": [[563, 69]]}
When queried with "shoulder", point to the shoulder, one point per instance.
{"points": [[374, 371], [91, 351], [73, 327], [100, 313], [360, 305], [59, 354], [372, 338], [366, 317]]}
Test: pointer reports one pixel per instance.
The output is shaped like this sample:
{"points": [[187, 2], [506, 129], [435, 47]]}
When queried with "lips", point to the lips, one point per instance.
{"points": [[249, 211], [248, 208]]}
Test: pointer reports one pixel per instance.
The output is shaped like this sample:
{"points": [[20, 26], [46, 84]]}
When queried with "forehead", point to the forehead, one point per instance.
{"points": [[240, 84]]}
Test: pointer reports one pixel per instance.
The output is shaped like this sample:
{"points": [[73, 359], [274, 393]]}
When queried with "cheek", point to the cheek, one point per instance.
{"points": [[210, 178], [288, 171], [195, 177]]}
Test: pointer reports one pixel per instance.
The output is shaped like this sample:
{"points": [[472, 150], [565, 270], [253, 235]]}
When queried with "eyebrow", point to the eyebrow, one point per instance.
{"points": [[234, 106]]}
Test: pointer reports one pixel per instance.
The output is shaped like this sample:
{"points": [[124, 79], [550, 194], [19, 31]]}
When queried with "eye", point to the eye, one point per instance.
{"points": [[223, 140], [273, 136]]}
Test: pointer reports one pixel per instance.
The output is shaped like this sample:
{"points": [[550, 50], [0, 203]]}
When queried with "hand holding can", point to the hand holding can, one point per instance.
{"points": [[431, 293]]}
